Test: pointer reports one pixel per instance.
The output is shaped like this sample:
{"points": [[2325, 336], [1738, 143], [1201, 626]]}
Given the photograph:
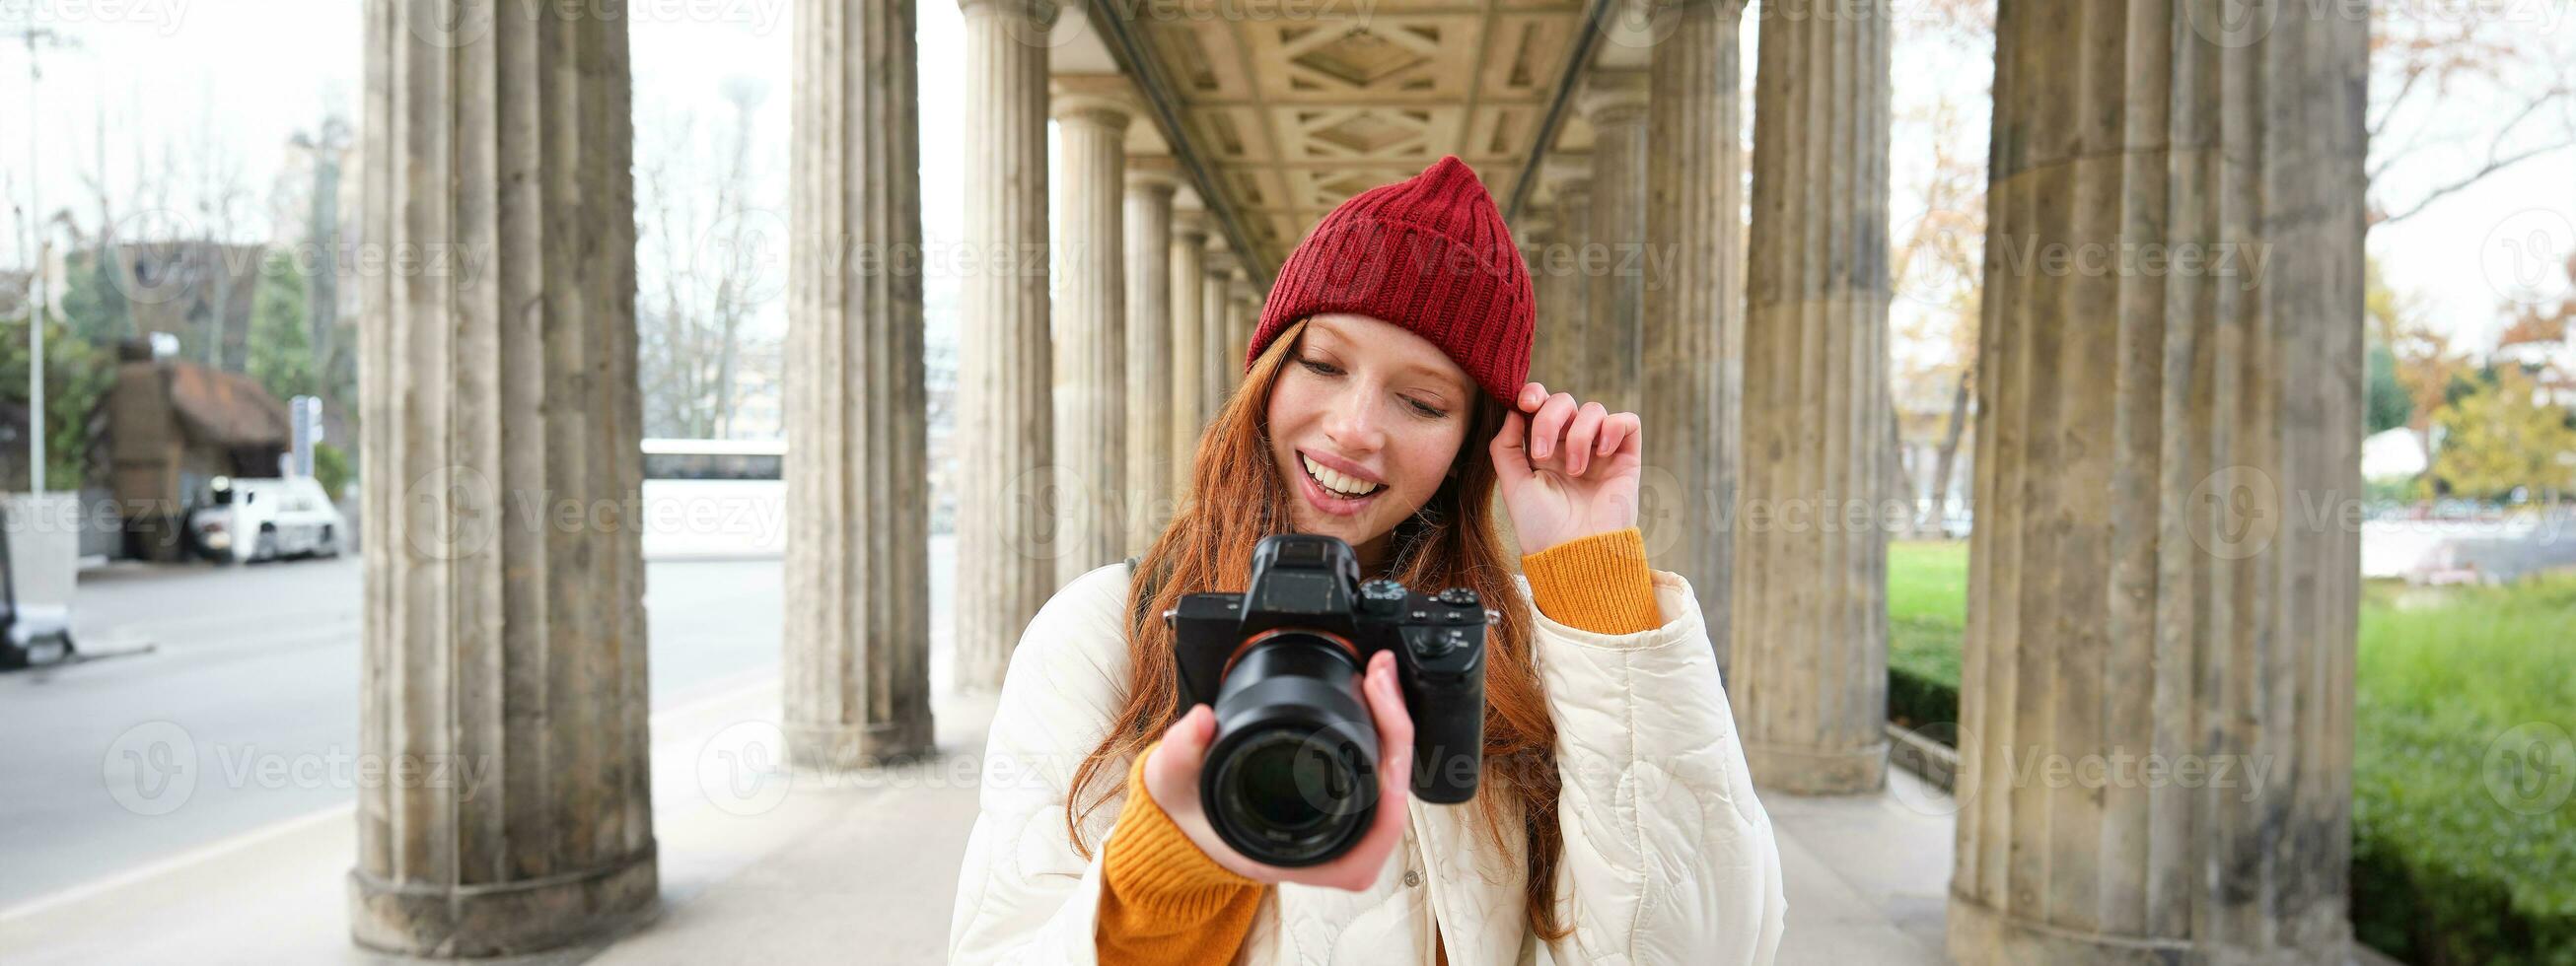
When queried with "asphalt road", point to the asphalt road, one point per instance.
{"points": [[254, 669]]}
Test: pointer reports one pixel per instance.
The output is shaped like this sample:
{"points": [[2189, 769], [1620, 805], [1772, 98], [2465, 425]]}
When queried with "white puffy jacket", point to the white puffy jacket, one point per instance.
{"points": [[1668, 856]]}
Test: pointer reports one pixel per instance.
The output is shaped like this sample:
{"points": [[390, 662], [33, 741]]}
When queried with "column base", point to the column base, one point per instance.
{"points": [[1979, 934], [1813, 771], [847, 747], [504, 919]]}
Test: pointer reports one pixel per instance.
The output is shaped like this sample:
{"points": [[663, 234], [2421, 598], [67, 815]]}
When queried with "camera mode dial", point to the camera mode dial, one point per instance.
{"points": [[1382, 598]]}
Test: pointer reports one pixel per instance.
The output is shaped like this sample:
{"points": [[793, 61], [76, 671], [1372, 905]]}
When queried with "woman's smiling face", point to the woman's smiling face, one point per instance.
{"points": [[1365, 407]]}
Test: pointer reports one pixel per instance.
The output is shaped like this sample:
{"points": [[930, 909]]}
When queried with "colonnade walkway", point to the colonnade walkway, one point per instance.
{"points": [[860, 871]]}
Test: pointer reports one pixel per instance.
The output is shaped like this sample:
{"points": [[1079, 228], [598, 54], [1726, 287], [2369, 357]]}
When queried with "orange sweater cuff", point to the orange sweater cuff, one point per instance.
{"points": [[1598, 583], [1156, 882]]}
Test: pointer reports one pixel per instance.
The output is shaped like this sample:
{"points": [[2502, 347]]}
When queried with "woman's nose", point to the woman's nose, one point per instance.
{"points": [[1352, 424]]}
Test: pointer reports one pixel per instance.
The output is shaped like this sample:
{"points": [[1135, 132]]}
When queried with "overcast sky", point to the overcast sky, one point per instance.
{"points": [[265, 69]]}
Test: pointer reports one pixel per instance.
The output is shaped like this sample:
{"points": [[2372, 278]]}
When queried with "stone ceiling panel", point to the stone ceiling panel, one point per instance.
{"points": [[1300, 109]]}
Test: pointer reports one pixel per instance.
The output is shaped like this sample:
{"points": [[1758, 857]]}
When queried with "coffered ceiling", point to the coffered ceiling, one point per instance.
{"points": [[1295, 105]]}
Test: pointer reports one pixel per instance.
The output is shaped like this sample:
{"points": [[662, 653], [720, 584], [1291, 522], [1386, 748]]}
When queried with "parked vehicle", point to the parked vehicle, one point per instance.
{"points": [[266, 519]]}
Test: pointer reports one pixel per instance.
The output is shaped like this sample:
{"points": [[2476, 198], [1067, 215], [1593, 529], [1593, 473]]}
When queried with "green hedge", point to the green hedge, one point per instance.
{"points": [[1927, 612], [2458, 693]]}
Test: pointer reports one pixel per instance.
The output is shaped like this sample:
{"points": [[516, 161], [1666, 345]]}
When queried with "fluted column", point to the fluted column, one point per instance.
{"points": [[1614, 103], [1190, 356], [1006, 527], [1694, 323], [2162, 596], [1217, 380], [1091, 322], [856, 675], [1557, 361], [1150, 450], [1242, 315], [1808, 675], [502, 668]]}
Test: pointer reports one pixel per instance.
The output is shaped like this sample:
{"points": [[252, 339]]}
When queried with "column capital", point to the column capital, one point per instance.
{"points": [[1043, 13], [1613, 97], [1153, 172], [1221, 260], [1103, 98], [1190, 226], [1567, 174]]}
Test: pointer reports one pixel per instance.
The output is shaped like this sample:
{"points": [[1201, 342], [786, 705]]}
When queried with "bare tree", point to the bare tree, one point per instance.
{"points": [[710, 263], [2422, 61]]}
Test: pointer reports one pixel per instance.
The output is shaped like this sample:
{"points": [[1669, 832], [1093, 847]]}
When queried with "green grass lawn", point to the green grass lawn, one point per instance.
{"points": [[2464, 828]]}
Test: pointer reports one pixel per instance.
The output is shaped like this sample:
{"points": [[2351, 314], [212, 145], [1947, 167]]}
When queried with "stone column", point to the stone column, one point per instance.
{"points": [[1557, 362], [1150, 184], [2147, 586], [1243, 314], [1614, 103], [1809, 665], [1091, 322], [502, 667], [1694, 324], [1190, 356], [1006, 528], [1217, 380], [857, 666]]}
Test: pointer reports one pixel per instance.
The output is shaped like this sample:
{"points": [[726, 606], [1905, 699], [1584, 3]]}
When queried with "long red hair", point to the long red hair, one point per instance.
{"points": [[1236, 498]]}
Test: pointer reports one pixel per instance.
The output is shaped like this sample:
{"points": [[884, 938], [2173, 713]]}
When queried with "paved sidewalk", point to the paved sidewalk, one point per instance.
{"points": [[858, 874]]}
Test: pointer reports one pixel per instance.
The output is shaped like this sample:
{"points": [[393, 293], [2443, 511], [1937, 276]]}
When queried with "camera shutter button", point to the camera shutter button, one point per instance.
{"points": [[1382, 597]]}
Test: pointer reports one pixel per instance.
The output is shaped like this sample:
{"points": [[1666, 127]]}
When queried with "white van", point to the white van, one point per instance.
{"points": [[265, 519]]}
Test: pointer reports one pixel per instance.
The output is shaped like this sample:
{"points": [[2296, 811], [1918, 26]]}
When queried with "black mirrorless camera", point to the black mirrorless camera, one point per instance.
{"points": [[1291, 777]]}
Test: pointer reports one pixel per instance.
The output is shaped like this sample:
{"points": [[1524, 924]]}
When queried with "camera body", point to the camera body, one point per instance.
{"points": [[1290, 778]]}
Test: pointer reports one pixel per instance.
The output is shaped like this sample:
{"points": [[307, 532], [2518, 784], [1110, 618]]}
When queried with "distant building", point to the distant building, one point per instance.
{"points": [[171, 427]]}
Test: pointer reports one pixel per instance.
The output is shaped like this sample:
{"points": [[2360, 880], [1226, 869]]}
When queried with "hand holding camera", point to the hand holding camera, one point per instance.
{"points": [[1321, 695], [1175, 767]]}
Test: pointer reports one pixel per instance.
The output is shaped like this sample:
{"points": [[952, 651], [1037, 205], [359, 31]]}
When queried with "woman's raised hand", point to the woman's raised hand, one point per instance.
{"points": [[1172, 777], [1568, 470]]}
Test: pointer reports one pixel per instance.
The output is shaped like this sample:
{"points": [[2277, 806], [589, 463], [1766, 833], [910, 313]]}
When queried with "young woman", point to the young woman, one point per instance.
{"points": [[1384, 403]]}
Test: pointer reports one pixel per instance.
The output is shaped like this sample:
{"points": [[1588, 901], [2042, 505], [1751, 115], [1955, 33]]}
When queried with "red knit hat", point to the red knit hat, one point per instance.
{"points": [[1430, 253]]}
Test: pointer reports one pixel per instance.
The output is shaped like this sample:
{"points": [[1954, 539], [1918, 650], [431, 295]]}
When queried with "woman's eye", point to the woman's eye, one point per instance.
{"points": [[1427, 411], [1323, 368]]}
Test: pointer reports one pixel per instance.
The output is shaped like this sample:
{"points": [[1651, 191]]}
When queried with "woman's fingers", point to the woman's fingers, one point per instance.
{"points": [[1172, 771], [1510, 449], [1615, 429], [1579, 436], [1532, 395], [1360, 867], [1548, 425]]}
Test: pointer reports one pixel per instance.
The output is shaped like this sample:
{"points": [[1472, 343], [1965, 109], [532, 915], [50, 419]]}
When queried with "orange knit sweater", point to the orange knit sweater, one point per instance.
{"points": [[1163, 901]]}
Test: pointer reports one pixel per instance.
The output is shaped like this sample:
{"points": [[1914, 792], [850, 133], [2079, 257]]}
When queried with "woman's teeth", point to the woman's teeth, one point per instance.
{"points": [[1336, 483]]}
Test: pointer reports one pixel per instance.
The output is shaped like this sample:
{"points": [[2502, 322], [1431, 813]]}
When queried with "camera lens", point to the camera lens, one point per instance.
{"points": [[1291, 779], [1290, 785]]}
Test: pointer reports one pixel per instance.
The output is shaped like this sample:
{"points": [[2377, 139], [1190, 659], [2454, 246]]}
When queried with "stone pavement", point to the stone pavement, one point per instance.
{"points": [[804, 872]]}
